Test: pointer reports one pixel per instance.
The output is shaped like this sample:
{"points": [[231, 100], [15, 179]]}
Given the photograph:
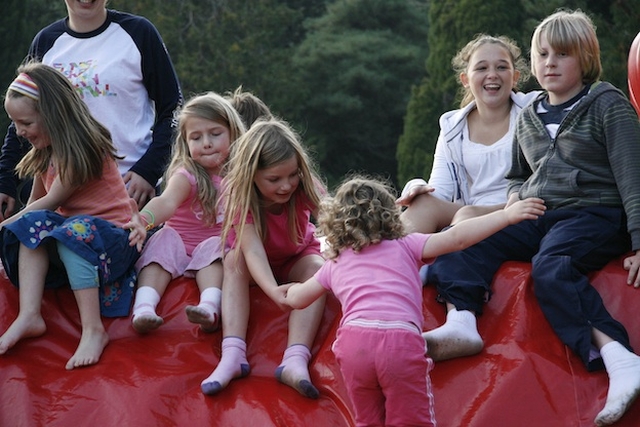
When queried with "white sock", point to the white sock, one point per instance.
{"points": [[210, 300], [623, 368], [146, 301], [465, 317], [458, 337]]}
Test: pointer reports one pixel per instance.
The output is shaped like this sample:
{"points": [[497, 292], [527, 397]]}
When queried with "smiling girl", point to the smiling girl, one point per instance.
{"points": [[473, 151], [71, 231], [272, 190]]}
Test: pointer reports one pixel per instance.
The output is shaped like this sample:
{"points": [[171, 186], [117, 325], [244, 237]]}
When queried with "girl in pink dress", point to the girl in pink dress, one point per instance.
{"points": [[189, 243]]}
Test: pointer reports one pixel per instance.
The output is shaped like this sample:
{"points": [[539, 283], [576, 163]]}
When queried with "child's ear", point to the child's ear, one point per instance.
{"points": [[516, 77], [464, 79]]}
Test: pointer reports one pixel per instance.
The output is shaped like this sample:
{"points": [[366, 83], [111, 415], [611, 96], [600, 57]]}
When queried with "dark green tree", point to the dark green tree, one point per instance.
{"points": [[19, 23], [353, 73], [452, 23]]}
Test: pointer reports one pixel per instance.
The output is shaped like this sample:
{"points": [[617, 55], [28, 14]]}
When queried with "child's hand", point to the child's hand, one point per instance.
{"points": [[632, 265], [412, 191], [530, 208], [279, 296], [137, 227]]}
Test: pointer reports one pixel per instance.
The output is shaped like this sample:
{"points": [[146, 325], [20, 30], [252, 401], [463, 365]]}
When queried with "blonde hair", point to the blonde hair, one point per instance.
{"points": [[79, 143], [363, 212], [460, 61], [213, 107], [266, 144], [250, 107], [572, 32]]}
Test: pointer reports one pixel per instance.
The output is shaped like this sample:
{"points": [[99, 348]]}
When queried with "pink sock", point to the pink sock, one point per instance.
{"points": [[294, 370], [233, 364]]}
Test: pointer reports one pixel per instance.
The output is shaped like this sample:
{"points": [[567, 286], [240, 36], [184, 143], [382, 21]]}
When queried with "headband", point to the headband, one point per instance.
{"points": [[23, 84]]}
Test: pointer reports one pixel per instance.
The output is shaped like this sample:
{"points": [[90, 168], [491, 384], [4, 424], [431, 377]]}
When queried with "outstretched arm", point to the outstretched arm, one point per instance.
{"points": [[258, 264], [302, 295], [473, 230], [158, 210]]}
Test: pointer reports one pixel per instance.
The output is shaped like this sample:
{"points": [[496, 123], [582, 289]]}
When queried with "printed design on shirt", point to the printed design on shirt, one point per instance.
{"points": [[85, 78]]}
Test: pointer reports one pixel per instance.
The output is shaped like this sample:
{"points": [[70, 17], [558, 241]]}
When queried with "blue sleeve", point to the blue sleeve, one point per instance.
{"points": [[161, 81], [14, 147]]}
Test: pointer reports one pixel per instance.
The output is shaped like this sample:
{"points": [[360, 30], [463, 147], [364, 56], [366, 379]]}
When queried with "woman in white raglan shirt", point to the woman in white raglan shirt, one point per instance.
{"points": [[122, 70]]}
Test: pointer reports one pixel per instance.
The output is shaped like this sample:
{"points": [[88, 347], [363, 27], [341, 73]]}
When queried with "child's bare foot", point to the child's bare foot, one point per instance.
{"points": [[146, 322], [22, 327], [208, 322], [92, 343]]}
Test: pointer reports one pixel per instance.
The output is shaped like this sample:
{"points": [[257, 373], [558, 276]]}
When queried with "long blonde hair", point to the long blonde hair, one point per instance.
{"points": [[363, 212], [79, 143], [213, 107], [266, 144]]}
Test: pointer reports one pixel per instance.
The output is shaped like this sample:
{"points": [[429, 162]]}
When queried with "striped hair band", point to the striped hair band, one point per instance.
{"points": [[25, 86]]}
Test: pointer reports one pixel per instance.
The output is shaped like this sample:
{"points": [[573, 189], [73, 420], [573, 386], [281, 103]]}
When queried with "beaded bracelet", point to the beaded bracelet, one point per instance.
{"points": [[150, 224]]}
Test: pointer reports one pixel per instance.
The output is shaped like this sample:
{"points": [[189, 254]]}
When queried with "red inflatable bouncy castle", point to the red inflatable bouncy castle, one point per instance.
{"points": [[524, 377], [634, 73]]}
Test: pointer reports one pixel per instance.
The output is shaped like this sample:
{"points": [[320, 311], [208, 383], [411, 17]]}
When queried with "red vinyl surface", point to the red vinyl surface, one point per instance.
{"points": [[634, 73], [524, 376]]}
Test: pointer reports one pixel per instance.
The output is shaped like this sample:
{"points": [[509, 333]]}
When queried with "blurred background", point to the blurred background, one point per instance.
{"points": [[363, 81]]}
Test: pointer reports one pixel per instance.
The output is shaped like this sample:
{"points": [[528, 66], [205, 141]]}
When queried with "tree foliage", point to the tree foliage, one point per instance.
{"points": [[18, 25], [355, 69], [364, 81], [453, 23]]}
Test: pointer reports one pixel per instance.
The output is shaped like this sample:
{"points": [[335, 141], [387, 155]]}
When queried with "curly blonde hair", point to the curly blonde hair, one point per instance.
{"points": [[363, 212]]}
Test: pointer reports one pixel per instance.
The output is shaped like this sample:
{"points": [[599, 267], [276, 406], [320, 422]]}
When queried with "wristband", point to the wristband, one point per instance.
{"points": [[150, 224]]}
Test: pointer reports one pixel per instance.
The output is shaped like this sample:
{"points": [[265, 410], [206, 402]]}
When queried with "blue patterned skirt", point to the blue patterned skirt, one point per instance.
{"points": [[99, 242]]}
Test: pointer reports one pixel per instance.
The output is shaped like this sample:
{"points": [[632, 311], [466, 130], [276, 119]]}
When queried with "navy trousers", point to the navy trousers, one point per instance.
{"points": [[563, 246]]}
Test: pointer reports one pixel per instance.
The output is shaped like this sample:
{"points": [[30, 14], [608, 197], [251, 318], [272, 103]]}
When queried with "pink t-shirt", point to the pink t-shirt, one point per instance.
{"points": [[381, 282], [105, 197], [278, 244], [187, 219]]}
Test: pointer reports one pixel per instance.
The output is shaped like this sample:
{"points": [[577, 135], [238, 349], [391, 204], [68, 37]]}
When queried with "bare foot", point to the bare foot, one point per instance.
{"points": [[146, 322], [22, 327], [92, 343], [202, 317]]}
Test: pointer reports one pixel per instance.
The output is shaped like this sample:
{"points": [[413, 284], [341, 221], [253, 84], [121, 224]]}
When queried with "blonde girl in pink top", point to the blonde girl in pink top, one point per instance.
{"points": [[189, 243], [71, 229], [271, 191]]}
